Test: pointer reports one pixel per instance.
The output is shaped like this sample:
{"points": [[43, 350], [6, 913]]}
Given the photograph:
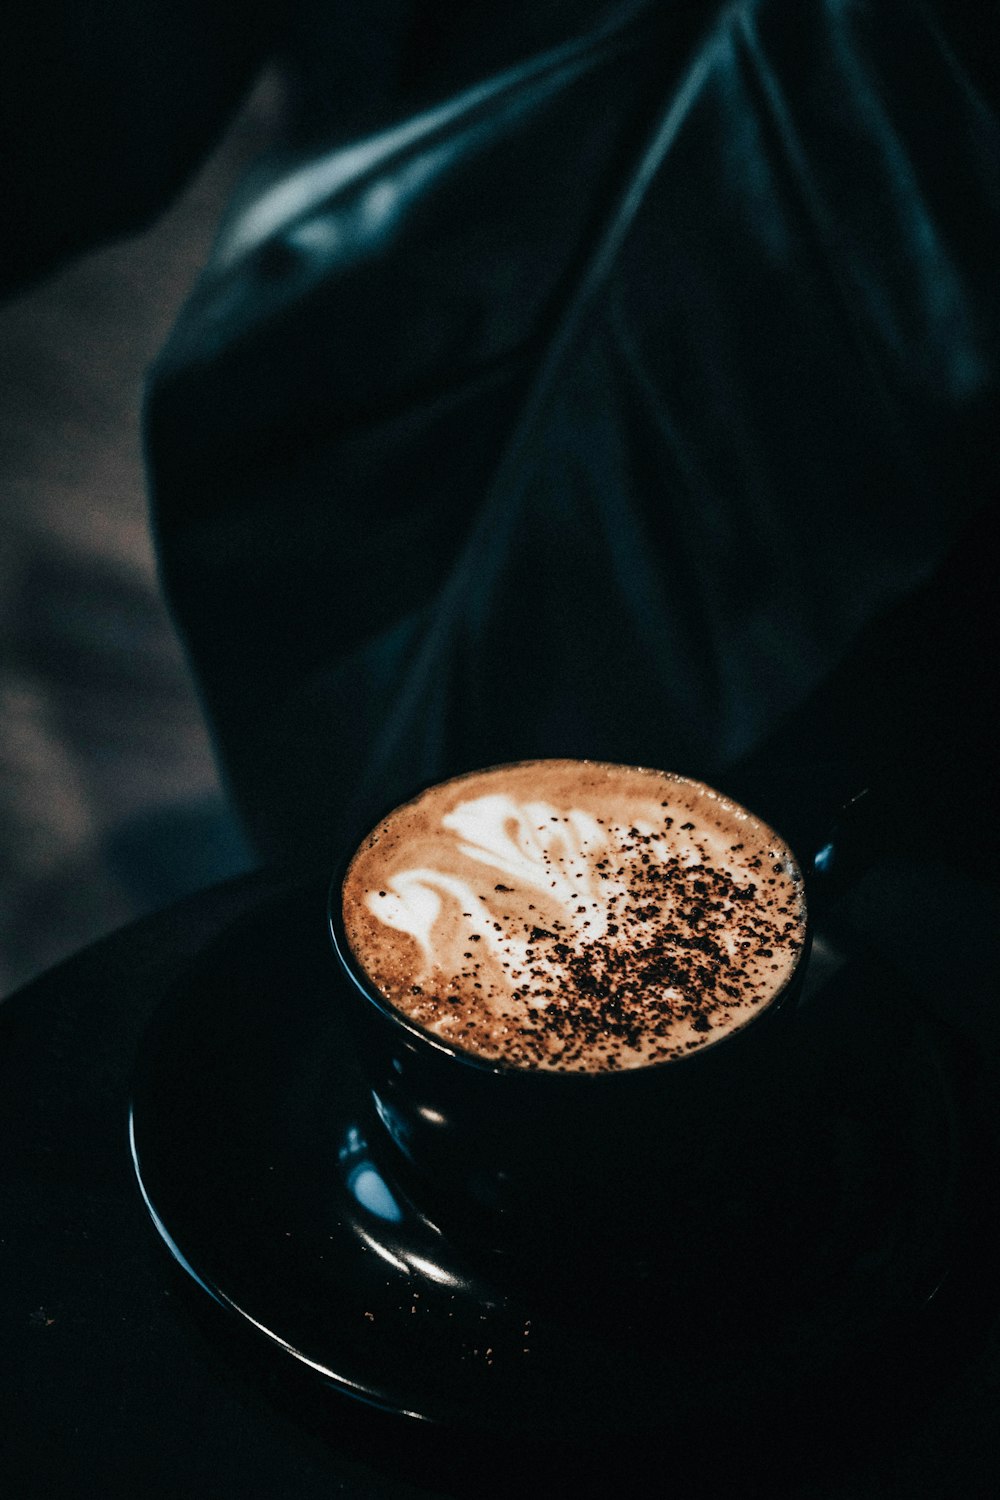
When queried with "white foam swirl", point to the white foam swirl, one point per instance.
{"points": [[531, 843], [411, 904]]}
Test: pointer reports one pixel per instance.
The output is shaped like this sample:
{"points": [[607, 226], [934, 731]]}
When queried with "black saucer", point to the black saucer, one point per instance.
{"points": [[255, 1151]]}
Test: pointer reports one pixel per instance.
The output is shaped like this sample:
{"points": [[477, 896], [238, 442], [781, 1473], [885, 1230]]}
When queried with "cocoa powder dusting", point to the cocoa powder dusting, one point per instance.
{"points": [[659, 939], [679, 951]]}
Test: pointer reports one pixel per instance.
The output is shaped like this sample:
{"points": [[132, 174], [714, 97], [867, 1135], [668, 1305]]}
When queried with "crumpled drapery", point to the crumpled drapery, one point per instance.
{"points": [[610, 405]]}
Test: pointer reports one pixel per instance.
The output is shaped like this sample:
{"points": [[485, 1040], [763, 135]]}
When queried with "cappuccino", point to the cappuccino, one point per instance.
{"points": [[575, 916]]}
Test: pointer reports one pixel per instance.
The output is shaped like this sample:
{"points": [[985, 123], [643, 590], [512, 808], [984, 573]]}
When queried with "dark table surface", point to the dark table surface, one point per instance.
{"points": [[114, 1376]]}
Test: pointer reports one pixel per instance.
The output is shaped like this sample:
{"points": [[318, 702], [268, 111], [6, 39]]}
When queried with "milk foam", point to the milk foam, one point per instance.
{"points": [[532, 844], [572, 915]]}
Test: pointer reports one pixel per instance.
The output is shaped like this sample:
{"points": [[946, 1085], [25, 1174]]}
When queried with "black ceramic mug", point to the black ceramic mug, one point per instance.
{"points": [[660, 1166]]}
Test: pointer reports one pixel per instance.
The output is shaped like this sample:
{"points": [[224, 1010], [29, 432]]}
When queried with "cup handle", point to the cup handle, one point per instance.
{"points": [[854, 843], [873, 825]]}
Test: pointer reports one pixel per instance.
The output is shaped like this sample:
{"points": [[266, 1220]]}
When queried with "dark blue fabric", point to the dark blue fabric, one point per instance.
{"points": [[611, 379], [603, 407]]}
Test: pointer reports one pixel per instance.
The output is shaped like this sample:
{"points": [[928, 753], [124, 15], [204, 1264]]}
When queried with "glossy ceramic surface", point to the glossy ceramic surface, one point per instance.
{"points": [[257, 1153], [514, 1161]]}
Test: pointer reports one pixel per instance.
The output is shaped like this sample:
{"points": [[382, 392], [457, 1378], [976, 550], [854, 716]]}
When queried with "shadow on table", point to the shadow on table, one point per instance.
{"points": [[825, 1441]]}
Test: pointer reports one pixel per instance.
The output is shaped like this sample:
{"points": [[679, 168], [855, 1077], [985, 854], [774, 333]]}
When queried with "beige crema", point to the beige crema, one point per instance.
{"points": [[575, 915]]}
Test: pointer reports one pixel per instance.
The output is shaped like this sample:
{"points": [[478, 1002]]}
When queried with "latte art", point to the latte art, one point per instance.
{"points": [[575, 916]]}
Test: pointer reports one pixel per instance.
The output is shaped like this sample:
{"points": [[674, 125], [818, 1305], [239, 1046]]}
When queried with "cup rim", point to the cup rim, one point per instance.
{"points": [[497, 1067]]}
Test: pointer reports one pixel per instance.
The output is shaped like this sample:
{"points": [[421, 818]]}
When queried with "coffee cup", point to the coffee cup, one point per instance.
{"points": [[571, 986]]}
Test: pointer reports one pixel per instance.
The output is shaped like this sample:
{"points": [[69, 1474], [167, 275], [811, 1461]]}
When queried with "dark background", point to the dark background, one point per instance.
{"points": [[105, 761], [109, 801]]}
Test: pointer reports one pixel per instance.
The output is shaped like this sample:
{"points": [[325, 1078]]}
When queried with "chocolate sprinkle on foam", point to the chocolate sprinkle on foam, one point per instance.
{"points": [[619, 936]]}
